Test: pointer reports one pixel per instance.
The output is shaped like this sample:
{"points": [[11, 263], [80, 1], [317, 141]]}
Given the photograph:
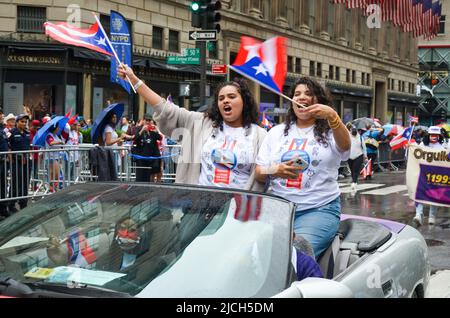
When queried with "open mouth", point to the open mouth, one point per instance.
{"points": [[227, 109], [301, 105]]}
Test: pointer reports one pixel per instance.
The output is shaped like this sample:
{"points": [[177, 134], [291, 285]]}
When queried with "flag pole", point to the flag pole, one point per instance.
{"points": [[267, 87], [112, 49]]}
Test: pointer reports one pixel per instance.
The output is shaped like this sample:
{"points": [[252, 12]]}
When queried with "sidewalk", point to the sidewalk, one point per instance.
{"points": [[439, 285]]}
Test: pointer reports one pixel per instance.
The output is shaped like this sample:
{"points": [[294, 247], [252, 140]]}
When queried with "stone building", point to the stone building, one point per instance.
{"points": [[370, 71]]}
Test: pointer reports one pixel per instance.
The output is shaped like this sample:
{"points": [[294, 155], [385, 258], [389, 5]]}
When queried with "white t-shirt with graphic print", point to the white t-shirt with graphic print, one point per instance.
{"points": [[317, 182], [227, 159]]}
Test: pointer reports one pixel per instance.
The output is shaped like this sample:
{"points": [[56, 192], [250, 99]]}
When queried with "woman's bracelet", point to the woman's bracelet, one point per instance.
{"points": [[138, 84], [335, 123]]}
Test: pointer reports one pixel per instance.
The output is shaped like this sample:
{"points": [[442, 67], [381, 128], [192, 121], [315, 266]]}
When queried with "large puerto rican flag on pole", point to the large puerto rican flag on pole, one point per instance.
{"points": [[263, 62], [93, 38]]}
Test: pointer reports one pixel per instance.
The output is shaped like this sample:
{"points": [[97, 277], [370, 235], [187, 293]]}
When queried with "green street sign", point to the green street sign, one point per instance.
{"points": [[188, 57]]}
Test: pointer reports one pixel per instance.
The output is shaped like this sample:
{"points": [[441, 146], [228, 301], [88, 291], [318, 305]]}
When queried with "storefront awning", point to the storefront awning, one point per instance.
{"points": [[403, 99], [345, 90]]}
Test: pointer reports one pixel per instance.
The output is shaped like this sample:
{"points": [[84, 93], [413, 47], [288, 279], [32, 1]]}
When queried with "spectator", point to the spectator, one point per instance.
{"points": [[434, 140], [10, 123], [358, 155], [125, 124], [52, 141], [20, 167], [109, 135], [75, 139], [34, 127], [300, 161], [372, 140], [3, 168], [219, 146], [145, 145]]}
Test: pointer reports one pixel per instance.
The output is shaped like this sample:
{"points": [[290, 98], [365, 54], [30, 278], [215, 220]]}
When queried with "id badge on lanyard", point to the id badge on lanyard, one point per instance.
{"points": [[224, 160], [297, 149]]}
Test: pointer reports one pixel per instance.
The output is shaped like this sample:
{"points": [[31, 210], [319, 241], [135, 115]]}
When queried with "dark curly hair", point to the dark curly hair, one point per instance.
{"points": [[250, 110], [322, 95]]}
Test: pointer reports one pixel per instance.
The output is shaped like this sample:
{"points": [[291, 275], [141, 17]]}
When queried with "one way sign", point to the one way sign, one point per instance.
{"points": [[207, 35]]}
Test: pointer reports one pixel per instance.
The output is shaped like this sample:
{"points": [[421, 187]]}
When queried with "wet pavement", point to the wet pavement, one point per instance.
{"points": [[385, 196]]}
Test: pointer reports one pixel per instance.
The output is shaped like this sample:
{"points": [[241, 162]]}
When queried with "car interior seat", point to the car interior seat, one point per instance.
{"points": [[355, 237]]}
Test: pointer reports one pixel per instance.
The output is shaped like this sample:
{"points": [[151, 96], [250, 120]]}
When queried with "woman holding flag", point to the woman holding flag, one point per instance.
{"points": [[300, 159], [220, 146]]}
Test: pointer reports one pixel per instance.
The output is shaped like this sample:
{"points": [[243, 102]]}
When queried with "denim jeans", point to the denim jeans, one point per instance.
{"points": [[319, 225], [419, 210]]}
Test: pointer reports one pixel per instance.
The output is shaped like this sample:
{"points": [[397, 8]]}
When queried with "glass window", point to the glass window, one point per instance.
{"points": [[319, 69], [312, 68], [331, 20], [338, 73], [298, 65], [349, 112], [363, 78], [347, 75], [144, 239], [331, 72], [31, 19], [312, 16], [442, 25], [290, 67], [363, 110], [174, 43], [353, 76], [157, 39]]}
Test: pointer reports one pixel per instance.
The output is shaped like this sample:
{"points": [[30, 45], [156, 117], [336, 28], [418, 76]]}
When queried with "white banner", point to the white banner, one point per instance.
{"points": [[428, 175]]}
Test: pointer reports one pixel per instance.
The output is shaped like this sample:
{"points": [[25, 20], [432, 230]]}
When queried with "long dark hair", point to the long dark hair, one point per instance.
{"points": [[322, 96], [109, 120], [250, 109]]}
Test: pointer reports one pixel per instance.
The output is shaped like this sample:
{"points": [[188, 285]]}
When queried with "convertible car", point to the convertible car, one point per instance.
{"points": [[136, 240]]}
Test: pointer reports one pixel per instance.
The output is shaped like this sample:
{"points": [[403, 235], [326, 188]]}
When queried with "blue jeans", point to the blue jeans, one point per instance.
{"points": [[419, 210], [319, 225]]}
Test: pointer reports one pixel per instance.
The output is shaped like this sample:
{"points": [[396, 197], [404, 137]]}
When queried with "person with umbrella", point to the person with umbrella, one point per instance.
{"points": [[104, 129], [20, 169], [48, 137]]}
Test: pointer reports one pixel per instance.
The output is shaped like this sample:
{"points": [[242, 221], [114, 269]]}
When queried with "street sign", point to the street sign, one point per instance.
{"points": [[206, 35], [184, 60], [188, 57], [191, 52], [219, 69]]}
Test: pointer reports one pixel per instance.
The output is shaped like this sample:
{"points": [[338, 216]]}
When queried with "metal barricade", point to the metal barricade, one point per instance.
{"points": [[37, 173]]}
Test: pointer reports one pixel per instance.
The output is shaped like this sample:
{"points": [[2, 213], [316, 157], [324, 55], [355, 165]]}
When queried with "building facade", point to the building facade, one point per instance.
{"points": [[370, 71], [434, 79]]}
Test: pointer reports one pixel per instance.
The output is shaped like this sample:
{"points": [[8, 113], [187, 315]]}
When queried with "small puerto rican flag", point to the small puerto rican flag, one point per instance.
{"points": [[80, 253], [367, 170], [248, 207], [264, 63]]}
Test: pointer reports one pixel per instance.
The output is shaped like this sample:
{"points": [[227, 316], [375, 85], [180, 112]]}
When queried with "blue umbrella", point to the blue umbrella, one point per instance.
{"points": [[41, 134], [101, 120]]}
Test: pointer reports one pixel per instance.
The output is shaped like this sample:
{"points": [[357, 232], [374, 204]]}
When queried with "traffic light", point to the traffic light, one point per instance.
{"points": [[212, 16], [197, 13]]}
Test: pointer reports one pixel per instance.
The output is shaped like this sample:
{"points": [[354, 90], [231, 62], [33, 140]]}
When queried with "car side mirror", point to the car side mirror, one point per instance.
{"points": [[313, 287]]}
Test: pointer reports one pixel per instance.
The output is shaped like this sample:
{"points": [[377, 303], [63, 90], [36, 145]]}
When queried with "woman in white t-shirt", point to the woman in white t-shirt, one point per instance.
{"points": [[109, 135], [219, 147], [300, 160]]}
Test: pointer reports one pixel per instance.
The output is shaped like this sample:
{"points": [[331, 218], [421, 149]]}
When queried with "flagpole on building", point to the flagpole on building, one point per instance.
{"points": [[112, 49], [267, 87]]}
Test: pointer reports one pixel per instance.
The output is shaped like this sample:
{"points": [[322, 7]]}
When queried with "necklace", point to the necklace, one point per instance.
{"points": [[303, 132]]}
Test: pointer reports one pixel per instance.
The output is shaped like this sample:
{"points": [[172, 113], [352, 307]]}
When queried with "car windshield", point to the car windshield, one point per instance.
{"points": [[152, 241]]}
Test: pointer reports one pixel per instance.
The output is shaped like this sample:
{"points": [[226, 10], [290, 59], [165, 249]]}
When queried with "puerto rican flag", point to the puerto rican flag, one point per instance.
{"points": [[248, 207], [265, 122], [264, 63], [367, 170], [401, 139], [80, 253], [93, 38], [414, 119]]}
